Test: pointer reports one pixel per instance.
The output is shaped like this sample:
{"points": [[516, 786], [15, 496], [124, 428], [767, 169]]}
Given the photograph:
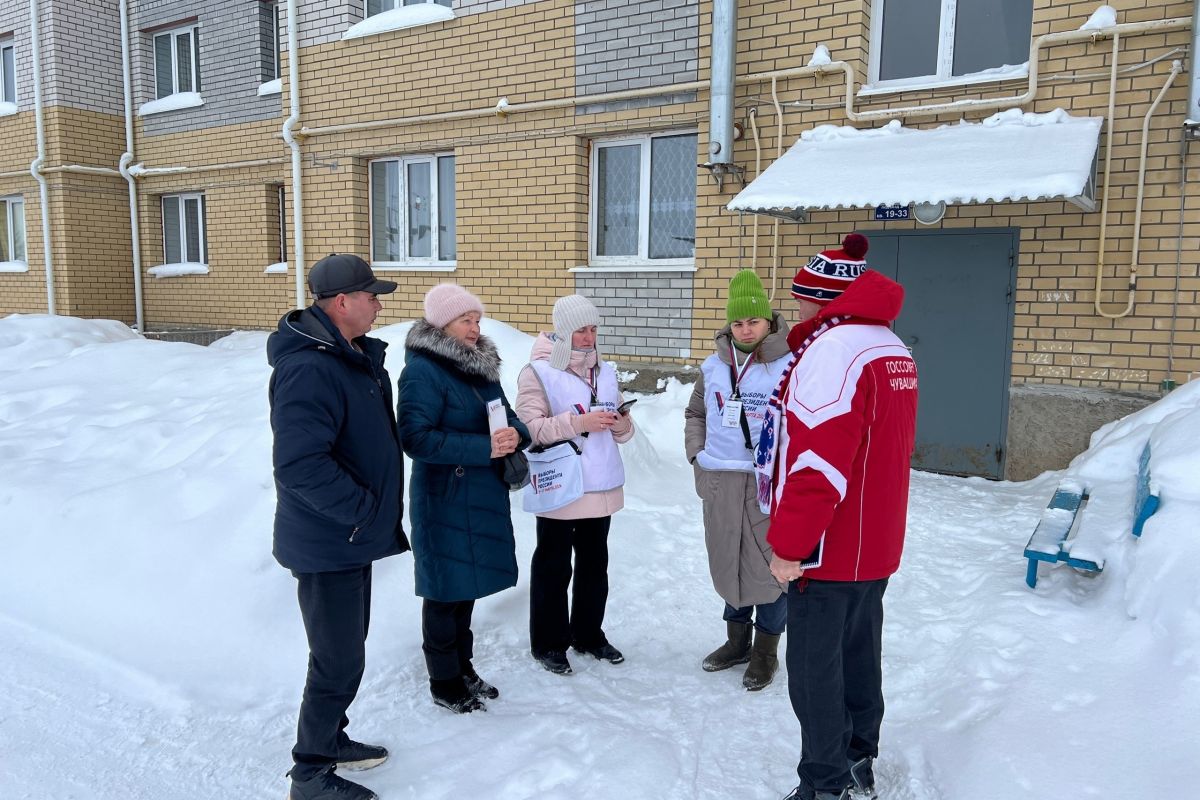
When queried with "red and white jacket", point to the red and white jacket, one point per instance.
{"points": [[849, 416]]}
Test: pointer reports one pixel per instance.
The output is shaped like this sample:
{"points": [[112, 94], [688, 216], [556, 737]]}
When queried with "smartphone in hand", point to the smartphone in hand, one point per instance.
{"points": [[623, 409]]}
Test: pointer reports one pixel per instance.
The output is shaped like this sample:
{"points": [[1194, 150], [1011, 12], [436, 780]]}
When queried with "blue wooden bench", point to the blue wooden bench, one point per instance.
{"points": [[1052, 530], [1144, 503], [1058, 520]]}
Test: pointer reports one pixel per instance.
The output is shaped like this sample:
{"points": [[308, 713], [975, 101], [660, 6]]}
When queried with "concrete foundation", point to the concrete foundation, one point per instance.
{"points": [[1050, 425]]}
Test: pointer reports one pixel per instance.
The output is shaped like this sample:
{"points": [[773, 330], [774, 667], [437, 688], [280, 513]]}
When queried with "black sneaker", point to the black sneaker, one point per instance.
{"points": [[605, 652], [554, 661], [477, 685], [862, 772], [357, 756], [453, 694], [329, 786]]}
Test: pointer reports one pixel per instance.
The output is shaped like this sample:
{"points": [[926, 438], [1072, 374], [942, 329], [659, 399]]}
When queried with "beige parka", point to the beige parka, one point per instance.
{"points": [[735, 530]]}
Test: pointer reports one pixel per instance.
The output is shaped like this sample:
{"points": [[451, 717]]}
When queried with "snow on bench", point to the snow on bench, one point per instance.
{"points": [[1061, 531], [1054, 529]]}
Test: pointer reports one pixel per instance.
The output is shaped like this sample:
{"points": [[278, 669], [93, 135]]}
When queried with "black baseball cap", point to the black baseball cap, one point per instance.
{"points": [[343, 273]]}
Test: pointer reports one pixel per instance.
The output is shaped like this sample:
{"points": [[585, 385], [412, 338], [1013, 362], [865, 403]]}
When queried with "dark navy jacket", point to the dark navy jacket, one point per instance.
{"points": [[458, 505], [339, 476]]}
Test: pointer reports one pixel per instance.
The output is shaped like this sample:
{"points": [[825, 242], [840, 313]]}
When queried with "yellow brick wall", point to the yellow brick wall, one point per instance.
{"points": [[1058, 336], [22, 292], [522, 181]]}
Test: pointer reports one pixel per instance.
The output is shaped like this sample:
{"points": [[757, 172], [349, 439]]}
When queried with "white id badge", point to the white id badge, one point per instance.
{"points": [[731, 417], [600, 407]]}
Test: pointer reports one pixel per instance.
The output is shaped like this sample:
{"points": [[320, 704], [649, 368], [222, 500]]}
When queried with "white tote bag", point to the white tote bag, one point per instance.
{"points": [[555, 477]]}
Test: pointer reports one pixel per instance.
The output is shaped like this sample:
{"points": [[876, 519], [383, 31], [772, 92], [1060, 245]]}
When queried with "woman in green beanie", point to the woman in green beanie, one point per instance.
{"points": [[722, 423]]}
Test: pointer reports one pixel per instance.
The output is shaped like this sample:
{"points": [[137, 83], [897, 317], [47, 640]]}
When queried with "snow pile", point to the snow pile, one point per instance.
{"points": [[178, 270], [142, 613], [172, 102], [1159, 570], [399, 18], [1102, 17], [7, 109]]}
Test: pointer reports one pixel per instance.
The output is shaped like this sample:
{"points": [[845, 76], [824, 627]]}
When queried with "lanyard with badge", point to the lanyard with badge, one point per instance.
{"points": [[591, 382], [734, 413]]}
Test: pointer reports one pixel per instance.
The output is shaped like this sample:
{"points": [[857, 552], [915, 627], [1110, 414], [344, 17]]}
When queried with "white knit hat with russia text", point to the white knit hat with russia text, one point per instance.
{"points": [[570, 314]]}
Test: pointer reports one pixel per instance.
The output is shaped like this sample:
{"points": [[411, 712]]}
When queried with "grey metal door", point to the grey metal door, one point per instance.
{"points": [[957, 318]]}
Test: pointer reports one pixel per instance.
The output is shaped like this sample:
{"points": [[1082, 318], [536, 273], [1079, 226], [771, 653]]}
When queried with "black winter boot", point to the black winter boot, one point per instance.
{"points": [[803, 792], [764, 661], [554, 661], [329, 786], [736, 649], [862, 772], [477, 685], [454, 695]]}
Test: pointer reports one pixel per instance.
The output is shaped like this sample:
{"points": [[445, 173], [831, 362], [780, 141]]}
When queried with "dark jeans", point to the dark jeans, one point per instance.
{"points": [[446, 637], [768, 617], [336, 607], [551, 627], [835, 676]]}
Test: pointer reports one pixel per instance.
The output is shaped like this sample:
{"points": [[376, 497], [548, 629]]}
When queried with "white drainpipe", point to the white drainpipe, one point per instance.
{"points": [[36, 166], [126, 160], [289, 136], [724, 54]]}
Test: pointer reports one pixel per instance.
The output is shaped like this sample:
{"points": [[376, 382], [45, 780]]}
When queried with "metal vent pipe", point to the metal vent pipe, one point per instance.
{"points": [[1193, 110], [724, 56]]}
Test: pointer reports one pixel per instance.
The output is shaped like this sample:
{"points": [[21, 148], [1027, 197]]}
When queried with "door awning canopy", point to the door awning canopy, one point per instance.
{"points": [[1012, 155]]}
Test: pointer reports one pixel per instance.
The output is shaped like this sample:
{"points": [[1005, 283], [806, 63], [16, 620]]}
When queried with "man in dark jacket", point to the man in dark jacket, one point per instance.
{"points": [[340, 483]]}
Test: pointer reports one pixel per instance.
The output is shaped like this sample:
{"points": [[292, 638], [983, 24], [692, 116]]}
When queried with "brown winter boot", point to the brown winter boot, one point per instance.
{"points": [[763, 661], [736, 649]]}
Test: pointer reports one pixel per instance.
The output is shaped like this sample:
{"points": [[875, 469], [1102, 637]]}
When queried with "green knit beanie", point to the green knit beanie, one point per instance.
{"points": [[747, 298]]}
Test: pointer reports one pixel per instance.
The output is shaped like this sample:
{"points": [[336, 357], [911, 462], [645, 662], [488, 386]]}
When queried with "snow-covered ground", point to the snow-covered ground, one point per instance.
{"points": [[152, 648]]}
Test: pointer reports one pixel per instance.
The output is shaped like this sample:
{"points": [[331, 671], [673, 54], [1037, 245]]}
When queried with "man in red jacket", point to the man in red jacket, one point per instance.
{"points": [[834, 471]]}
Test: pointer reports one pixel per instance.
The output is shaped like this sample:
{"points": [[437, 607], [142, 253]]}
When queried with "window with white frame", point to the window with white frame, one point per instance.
{"points": [[379, 6], [12, 230], [412, 211], [268, 45], [184, 225], [940, 40], [177, 61], [643, 205], [8, 71]]}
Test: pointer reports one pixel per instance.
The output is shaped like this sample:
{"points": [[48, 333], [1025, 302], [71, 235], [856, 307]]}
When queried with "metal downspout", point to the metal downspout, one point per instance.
{"points": [[1176, 68], [35, 167], [720, 99], [289, 136], [1192, 118], [127, 159]]}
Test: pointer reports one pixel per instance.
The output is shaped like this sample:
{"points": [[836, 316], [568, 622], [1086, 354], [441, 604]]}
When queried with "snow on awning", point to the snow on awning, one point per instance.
{"points": [[1011, 155]]}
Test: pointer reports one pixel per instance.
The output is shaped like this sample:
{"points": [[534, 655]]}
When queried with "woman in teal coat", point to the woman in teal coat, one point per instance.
{"points": [[462, 535]]}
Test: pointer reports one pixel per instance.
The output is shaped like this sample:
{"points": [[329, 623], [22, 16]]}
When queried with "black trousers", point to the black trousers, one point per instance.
{"points": [[835, 676], [446, 637], [336, 607], [551, 626]]}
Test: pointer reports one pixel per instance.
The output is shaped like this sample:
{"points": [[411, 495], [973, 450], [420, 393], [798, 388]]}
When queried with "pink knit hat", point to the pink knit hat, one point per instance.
{"points": [[447, 302]]}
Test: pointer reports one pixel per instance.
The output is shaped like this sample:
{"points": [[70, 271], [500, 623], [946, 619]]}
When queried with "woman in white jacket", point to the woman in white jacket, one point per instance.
{"points": [[567, 393]]}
